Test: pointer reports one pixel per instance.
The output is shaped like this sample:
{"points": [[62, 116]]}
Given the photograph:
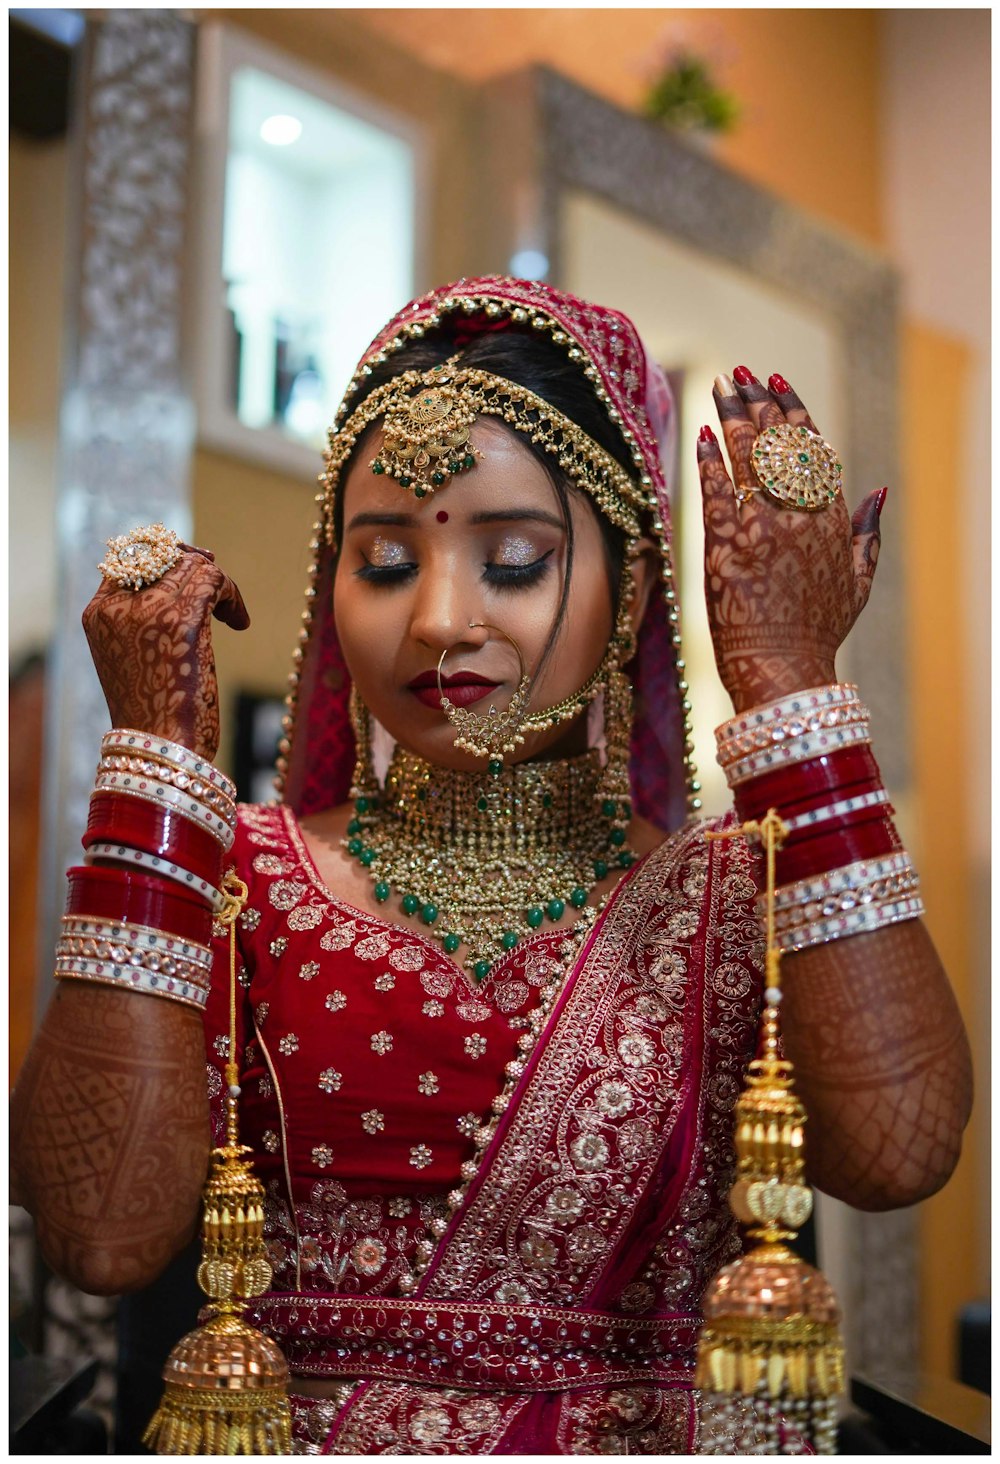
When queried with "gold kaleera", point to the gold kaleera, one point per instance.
{"points": [[226, 1383], [771, 1344]]}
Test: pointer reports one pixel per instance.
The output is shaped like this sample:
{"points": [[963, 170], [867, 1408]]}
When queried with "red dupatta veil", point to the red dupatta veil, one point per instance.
{"points": [[317, 756]]}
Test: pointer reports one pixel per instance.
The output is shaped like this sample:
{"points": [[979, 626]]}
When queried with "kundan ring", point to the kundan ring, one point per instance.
{"points": [[142, 557], [797, 468]]}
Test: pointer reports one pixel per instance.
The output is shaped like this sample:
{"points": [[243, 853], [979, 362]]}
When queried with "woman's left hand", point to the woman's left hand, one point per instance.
{"points": [[783, 586]]}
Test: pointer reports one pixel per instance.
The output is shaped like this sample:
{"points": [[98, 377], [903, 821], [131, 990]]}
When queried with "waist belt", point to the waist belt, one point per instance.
{"points": [[473, 1345]]}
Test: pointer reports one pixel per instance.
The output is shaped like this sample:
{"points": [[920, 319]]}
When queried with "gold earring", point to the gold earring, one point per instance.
{"points": [[364, 784], [496, 733]]}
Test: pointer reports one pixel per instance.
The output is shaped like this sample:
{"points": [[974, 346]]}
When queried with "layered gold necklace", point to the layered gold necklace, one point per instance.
{"points": [[485, 860]]}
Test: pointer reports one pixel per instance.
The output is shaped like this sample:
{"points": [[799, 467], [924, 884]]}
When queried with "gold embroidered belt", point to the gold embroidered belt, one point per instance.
{"points": [[474, 1345]]}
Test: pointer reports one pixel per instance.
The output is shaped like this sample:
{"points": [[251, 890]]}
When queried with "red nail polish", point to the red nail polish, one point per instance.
{"points": [[707, 435], [880, 501], [778, 385], [743, 376]]}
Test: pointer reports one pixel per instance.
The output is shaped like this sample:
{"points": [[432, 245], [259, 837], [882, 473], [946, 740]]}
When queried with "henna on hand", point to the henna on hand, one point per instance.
{"points": [[783, 588], [153, 650], [111, 1134], [882, 1065]]}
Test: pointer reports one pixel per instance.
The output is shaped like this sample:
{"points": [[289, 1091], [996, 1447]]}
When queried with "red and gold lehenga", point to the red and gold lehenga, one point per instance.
{"points": [[559, 1309]]}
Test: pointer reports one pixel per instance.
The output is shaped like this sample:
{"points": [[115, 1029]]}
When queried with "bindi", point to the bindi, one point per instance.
{"points": [[442, 517]]}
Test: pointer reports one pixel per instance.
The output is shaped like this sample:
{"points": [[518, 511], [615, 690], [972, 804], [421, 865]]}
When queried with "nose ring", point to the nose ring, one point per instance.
{"points": [[498, 732]]}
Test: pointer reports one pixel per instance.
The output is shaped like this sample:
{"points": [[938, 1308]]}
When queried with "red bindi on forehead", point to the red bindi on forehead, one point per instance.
{"points": [[442, 517]]}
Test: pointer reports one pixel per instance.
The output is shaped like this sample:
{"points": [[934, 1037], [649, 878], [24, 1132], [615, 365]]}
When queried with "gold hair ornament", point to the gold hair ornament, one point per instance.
{"points": [[226, 1383], [425, 410], [771, 1337]]}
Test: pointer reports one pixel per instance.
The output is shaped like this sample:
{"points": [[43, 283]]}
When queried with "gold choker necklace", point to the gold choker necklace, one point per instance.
{"points": [[486, 860]]}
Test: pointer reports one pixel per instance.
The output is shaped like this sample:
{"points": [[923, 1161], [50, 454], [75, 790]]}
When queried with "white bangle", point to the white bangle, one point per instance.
{"points": [[164, 772], [878, 876], [156, 864], [128, 740], [131, 978], [731, 749], [125, 936], [835, 810], [801, 704], [164, 796], [850, 922], [814, 744]]}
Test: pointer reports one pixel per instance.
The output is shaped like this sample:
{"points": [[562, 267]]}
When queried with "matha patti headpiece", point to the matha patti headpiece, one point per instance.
{"points": [[428, 416]]}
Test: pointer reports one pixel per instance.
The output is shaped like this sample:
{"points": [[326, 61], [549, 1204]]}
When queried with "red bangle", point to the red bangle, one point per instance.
{"points": [[831, 851], [791, 789], [115, 818], [119, 894]]}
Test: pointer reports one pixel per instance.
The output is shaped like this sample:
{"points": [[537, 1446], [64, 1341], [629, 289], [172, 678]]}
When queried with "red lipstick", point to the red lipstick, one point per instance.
{"points": [[462, 688]]}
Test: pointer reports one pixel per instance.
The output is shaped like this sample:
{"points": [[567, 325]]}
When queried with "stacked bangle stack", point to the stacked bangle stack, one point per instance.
{"points": [[139, 910], [841, 869]]}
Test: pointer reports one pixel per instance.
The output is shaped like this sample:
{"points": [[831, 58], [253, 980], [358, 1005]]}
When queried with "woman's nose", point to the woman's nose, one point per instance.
{"points": [[442, 611]]}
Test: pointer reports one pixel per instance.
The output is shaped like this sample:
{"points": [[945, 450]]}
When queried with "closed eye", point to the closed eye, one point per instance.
{"points": [[385, 574], [517, 576]]}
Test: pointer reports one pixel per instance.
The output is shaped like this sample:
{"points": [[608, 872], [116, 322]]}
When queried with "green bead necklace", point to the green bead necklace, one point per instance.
{"points": [[485, 860]]}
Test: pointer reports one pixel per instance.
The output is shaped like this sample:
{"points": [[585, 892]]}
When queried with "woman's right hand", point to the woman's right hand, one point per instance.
{"points": [[153, 650]]}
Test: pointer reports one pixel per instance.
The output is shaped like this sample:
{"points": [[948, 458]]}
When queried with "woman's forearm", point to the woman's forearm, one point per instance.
{"points": [[882, 1064], [110, 1134]]}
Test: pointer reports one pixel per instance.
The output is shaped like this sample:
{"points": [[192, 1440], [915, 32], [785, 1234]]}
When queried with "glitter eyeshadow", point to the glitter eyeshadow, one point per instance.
{"points": [[516, 550], [387, 552]]}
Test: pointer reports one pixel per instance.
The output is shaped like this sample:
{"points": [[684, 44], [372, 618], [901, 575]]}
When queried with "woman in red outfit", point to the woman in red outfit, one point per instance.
{"points": [[498, 990]]}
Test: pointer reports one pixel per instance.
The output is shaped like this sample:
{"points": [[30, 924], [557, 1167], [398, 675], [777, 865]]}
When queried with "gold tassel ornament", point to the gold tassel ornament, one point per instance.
{"points": [[226, 1383], [771, 1344]]}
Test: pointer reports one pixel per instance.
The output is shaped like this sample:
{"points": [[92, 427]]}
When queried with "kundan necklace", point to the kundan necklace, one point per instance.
{"points": [[485, 860]]}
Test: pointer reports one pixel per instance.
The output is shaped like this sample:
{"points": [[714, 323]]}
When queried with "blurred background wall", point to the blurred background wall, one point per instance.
{"points": [[876, 123]]}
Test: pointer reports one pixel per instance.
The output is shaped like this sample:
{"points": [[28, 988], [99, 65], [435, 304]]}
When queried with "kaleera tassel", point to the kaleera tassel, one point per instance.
{"points": [[227, 1384], [771, 1345]]}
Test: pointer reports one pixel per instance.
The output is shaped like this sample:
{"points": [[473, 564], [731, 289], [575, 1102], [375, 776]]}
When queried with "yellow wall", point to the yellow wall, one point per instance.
{"points": [[939, 674], [808, 81]]}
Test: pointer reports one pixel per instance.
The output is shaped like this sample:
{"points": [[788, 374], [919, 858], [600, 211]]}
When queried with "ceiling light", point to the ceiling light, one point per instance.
{"points": [[281, 129], [529, 264]]}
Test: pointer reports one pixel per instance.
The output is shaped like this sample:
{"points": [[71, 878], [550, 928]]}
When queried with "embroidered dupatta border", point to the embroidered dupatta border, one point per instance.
{"points": [[477, 1259]]}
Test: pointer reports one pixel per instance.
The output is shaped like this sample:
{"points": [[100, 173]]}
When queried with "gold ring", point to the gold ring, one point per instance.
{"points": [[797, 468], [142, 557]]}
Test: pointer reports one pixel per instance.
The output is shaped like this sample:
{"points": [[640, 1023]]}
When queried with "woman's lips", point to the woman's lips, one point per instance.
{"points": [[461, 690]]}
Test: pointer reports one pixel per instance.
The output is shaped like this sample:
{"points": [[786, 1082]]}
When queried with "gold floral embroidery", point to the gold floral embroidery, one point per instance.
{"points": [[428, 1083], [306, 917], [407, 958], [373, 1122], [285, 893], [330, 1080], [381, 1042], [420, 1156], [368, 1255], [475, 1045], [322, 1155]]}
